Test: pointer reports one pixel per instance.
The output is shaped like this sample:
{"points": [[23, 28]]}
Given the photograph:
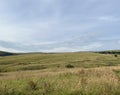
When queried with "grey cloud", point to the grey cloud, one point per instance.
{"points": [[76, 44]]}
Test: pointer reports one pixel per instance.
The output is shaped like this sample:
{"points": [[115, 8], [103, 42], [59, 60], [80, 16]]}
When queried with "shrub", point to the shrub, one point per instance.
{"points": [[115, 55], [69, 66]]}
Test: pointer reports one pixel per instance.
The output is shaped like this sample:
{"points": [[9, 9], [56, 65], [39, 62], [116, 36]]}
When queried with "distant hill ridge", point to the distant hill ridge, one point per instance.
{"points": [[110, 52], [3, 53]]}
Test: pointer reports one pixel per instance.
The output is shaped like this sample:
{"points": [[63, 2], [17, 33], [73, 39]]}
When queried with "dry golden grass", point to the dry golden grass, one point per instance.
{"points": [[98, 71], [98, 81], [86, 78]]}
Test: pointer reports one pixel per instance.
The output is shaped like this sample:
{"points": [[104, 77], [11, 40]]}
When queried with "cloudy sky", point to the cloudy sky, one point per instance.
{"points": [[59, 25]]}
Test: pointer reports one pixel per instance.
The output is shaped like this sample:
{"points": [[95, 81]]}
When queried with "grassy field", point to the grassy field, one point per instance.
{"points": [[83, 73]]}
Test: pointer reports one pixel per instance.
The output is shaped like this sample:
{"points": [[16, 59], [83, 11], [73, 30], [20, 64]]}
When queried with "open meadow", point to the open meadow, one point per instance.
{"points": [[83, 73]]}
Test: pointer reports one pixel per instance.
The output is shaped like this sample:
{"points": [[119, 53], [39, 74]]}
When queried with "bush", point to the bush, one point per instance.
{"points": [[115, 55], [69, 66]]}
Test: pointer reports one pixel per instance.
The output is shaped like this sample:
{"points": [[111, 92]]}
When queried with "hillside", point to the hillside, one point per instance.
{"points": [[83, 73], [2, 53], [60, 60]]}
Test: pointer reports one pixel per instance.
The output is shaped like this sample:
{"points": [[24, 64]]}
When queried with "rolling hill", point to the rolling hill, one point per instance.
{"points": [[2, 53], [80, 73]]}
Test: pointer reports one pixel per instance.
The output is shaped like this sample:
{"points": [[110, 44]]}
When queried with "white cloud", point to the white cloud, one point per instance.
{"points": [[90, 47], [9, 49], [42, 43], [108, 18]]}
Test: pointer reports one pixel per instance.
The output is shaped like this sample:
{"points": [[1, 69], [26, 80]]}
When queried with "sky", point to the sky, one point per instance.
{"points": [[59, 25]]}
